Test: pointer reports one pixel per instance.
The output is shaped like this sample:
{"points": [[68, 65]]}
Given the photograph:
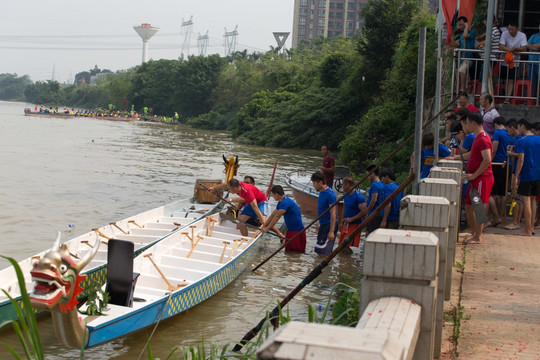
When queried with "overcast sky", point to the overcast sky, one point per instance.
{"points": [[74, 35]]}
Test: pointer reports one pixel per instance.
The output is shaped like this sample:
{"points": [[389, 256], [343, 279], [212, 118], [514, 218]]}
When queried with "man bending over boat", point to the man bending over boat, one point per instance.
{"points": [[256, 203], [290, 211]]}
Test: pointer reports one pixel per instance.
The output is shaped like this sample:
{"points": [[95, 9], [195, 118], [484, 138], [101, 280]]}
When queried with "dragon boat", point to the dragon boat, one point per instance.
{"points": [[144, 230], [179, 272], [305, 194]]}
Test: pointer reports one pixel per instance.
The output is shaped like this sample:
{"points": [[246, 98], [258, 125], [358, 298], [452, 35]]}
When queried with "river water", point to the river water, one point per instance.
{"points": [[87, 172]]}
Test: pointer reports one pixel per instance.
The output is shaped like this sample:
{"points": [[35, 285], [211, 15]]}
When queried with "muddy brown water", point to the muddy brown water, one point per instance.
{"points": [[86, 172]]}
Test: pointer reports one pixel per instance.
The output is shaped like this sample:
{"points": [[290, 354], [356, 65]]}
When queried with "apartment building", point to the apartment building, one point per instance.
{"points": [[326, 18]]}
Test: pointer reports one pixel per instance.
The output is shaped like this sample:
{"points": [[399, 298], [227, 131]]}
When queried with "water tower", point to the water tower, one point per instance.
{"points": [[145, 31]]}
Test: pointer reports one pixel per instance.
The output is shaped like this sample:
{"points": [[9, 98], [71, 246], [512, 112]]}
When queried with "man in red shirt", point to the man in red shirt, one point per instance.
{"points": [[463, 102], [327, 166], [479, 173], [255, 200]]}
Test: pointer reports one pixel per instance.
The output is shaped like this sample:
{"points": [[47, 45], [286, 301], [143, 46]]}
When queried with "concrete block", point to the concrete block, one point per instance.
{"points": [[424, 211], [298, 341], [418, 253], [454, 164], [446, 173], [447, 188], [398, 316], [423, 294]]}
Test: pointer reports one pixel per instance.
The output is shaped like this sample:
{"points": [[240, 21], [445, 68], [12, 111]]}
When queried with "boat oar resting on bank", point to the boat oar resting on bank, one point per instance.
{"points": [[171, 276]]}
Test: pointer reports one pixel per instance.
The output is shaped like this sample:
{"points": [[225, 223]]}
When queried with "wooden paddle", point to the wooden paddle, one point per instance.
{"points": [[199, 238], [101, 234], [170, 286], [271, 180], [223, 252], [118, 227]]}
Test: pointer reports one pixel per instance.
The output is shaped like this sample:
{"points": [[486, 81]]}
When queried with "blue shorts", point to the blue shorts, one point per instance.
{"points": [[323, 246], [248, 210]]}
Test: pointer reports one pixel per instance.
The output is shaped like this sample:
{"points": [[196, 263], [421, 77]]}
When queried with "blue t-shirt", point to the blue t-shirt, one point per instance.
{"points": [[326, 198], [530, 146], [443, 152], [292, 216], [467, 143], [377, 187], [514, 164], [351, 202], [394, 209], [468, 44], [535, 39], [504, 139]]}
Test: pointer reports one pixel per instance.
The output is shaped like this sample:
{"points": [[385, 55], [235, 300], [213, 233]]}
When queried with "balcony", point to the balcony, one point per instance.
{"points": [[522, 82]]}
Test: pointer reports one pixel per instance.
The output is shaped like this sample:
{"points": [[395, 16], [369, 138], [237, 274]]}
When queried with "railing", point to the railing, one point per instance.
{"points": [[525, 87]]}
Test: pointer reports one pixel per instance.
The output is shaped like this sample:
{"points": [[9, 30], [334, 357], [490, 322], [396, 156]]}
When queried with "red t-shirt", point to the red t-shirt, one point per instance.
{"points": [[481, 142], [470, 107], [250, 192], [328, 162]]}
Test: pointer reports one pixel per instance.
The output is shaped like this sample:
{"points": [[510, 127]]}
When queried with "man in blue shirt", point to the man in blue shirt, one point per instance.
{"points": [[427, 155], [354, 210], [466, 41], [391, 211], [532, 74], [375, 198], [327, 228], [527, 173], [287, 208], [501, 140]]}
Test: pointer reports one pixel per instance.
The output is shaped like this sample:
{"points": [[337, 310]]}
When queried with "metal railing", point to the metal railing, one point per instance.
{"points": [[525, 87]]}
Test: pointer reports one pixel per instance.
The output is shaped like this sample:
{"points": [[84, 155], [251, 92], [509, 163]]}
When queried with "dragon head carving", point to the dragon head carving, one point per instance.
{"points": [[57, 278]]}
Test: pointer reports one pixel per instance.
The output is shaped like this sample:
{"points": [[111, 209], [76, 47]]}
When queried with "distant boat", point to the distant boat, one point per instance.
{"points": [[168, 278], [29, 112], [144, 230]]}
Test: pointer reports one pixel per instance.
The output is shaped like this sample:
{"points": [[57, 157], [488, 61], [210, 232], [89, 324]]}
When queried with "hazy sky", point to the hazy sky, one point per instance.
{"points": [[75, 35]]}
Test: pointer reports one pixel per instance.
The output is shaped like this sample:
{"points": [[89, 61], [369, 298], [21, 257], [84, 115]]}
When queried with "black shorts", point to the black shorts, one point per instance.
{"points": [[529, 188], [499, 186], [375, 224], [505, 71]]}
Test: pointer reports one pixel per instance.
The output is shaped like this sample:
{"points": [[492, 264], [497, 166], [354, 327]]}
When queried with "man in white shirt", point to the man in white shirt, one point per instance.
{"points": [[513, 41]]}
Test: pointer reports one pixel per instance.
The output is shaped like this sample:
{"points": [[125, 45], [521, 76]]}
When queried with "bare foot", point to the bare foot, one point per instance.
{"points": [[525, 233], [493, 223], [511, 227], [474, 240]]}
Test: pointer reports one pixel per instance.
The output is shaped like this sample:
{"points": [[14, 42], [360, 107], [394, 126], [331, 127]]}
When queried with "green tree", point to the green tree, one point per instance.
{"points": [[12, 86]]}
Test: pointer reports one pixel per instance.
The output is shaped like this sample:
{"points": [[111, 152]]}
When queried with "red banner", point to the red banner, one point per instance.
{"points": [[449, 9], [466, 8]]}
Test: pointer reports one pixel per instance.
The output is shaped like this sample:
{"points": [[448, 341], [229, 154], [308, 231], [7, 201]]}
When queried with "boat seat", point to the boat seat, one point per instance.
{"points": [[121, 279]]}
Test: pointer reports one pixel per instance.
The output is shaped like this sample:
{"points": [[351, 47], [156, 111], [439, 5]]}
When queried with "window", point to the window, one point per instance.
{"points": [[312, 11], [322, 3], [332, 15], [339, 15], [350, 15], [320, 22], [301, 31], [350, 33], [350, 24], [351, 5], [332, 5], [339, 5], [320, 32], [303, 2], [303, 12], [321, 13], [302, 21]]}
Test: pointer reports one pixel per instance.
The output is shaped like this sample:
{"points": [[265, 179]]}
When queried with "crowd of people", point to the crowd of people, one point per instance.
{"points": [[502, 158], [504, 66], [252, 206]]}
